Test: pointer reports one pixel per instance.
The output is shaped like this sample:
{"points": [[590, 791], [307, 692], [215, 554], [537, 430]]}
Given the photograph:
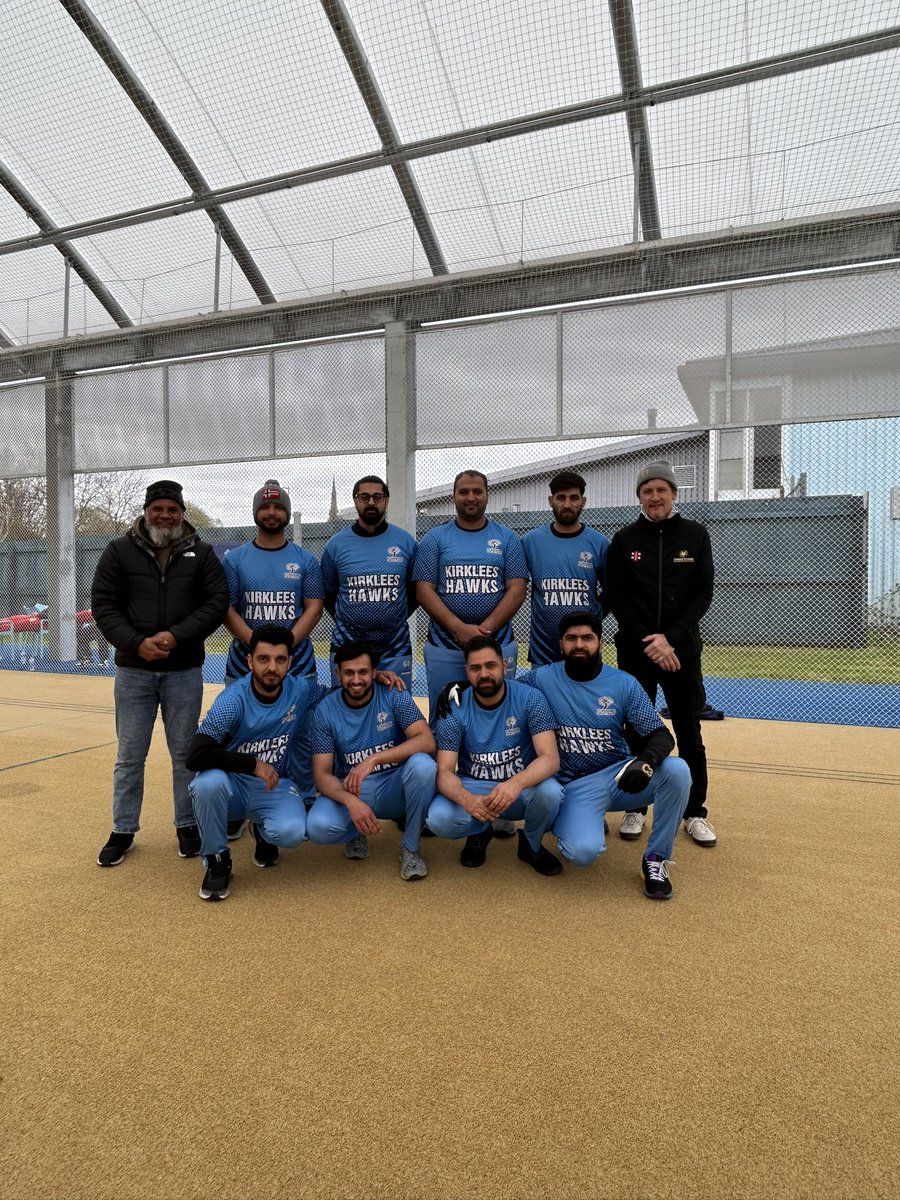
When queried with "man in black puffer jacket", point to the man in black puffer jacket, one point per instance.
{"points": [[158, 593], [659, 583]]}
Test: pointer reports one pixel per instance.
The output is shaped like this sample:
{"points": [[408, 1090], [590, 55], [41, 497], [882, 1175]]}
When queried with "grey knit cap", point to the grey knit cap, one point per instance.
{"points": [[656, 470], [272, 492]]}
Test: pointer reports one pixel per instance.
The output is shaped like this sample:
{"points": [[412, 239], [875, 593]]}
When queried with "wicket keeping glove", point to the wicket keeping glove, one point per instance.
{"points": [[634, 776]]}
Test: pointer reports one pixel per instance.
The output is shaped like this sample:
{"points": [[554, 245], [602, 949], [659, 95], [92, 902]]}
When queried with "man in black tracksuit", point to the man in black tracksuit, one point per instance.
{"points": [[659, 583], [158, 592]]}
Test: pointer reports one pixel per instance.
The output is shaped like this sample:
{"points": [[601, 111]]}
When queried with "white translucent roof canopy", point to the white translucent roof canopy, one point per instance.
{"points": [[344, 144]]}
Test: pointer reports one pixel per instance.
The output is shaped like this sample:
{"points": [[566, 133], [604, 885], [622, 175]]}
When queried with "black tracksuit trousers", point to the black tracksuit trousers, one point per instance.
{"points": [[685, 696]]}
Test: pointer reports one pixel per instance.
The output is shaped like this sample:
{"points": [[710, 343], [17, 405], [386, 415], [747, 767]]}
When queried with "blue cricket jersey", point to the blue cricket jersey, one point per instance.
{"points": [[240, 721], [495, 743], [470, 570], [352, 734], [271, 586], [590, 716], [567, 574], [370, 577]]}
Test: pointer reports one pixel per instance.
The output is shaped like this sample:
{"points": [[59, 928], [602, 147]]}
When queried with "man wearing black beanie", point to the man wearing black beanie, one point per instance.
{"points": [[158, 592]]}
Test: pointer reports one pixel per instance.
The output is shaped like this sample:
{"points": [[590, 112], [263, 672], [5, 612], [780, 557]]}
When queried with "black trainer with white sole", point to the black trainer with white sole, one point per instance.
{"points": [[265, 854], [188, 841], [115, 849], [217, 880]]}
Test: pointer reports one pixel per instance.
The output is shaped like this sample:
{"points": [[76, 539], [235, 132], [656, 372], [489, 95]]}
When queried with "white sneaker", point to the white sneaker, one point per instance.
{"points": [[700, 830], [412, 865], [503, 828], [357, 847], [632, 826]]}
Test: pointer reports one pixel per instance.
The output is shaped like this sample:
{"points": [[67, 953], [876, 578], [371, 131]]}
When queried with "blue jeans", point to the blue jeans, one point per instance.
{"points": [[444, 665], [579, 826], [223, 796], [404, 791], [139, 695], [537, 806]]}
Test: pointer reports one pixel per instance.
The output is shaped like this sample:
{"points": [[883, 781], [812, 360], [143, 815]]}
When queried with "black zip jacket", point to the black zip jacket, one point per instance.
{"points": [[131, 599], [659, 579]]}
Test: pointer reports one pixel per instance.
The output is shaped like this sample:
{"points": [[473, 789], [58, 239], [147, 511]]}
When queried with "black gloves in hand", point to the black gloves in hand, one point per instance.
{"points": [[449, 699], [635, 776]]}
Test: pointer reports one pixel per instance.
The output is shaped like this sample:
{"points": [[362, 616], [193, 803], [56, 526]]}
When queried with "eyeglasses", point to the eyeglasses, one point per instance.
{"points": [[370, 497]]}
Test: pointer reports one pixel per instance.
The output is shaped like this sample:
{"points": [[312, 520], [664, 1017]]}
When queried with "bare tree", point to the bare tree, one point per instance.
{"points": [[23, 509], [105, 502]]}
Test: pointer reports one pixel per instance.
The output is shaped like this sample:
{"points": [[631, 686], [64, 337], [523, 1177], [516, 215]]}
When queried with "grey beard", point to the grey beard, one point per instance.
{"points": [[164, 537]]}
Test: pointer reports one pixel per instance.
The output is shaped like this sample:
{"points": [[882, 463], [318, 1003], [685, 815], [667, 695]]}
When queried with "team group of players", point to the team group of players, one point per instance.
{"points": [[554, 748]]}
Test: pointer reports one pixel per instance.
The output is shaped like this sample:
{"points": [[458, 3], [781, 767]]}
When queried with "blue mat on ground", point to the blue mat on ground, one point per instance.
{"points": [[868, 704]]}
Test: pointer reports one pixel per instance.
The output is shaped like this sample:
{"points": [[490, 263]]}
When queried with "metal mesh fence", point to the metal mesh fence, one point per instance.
{"points": [[776, 405]]}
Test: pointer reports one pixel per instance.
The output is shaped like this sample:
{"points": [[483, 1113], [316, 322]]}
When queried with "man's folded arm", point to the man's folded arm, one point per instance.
{"points": [[206, 754]]}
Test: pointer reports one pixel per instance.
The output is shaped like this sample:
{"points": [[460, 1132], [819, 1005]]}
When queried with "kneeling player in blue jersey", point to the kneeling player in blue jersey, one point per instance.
{"points": [[242, 751], [594, 705], [499, 735], [372, 759]]}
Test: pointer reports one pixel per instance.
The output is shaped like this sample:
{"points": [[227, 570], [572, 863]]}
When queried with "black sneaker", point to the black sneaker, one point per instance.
{"points": [[474, 851], [657, 884], [541, 859], [217, 877], [234, 829], [115, 849], [265, 854], [188, 841]]}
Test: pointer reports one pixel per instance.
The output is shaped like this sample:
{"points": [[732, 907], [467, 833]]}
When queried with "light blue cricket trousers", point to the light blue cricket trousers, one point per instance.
{"points": [[404, 791], [586, 801], [223, 796], [537, 806]]}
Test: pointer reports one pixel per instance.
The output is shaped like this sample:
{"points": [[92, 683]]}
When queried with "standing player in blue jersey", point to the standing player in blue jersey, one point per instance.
{"points": [[594, 705], [371, 759], [242, 751], [566, 564], [367, 574], [470, 578], [274, 581], [497, 757]]}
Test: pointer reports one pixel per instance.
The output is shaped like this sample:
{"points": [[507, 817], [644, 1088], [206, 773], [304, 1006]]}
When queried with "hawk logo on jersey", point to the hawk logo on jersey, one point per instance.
{"points": [[512, 727], [495, 546], [606, 706], [292, 570], [383, 722], [290, 715], [394, 555], [586, 560]]}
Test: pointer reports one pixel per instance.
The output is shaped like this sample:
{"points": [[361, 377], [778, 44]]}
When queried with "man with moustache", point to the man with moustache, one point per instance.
{"points": [[367, 574], [157, 594], [496, 758], [566, 564], [660, 584], [242, 752], [470, 578], [372, 759], [273, 580], [600, 770]]}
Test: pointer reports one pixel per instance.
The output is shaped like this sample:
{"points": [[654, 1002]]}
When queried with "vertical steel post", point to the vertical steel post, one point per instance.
{"points": [[60, 467], [400, 421], [217, 269], [67, 286]]}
